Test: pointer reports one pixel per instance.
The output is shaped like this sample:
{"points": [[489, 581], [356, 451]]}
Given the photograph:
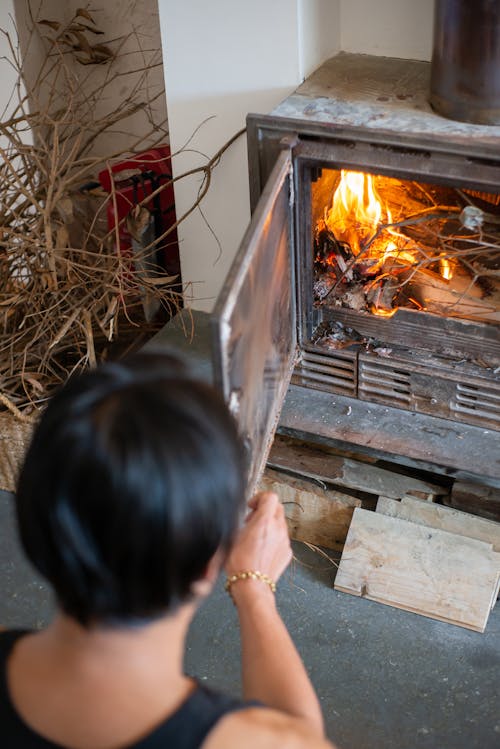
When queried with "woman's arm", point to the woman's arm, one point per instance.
{"points": [[273, 672]]}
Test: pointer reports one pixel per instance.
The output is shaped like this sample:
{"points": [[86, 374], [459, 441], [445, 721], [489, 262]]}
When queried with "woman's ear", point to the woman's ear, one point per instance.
{"points": [[203, 587]]}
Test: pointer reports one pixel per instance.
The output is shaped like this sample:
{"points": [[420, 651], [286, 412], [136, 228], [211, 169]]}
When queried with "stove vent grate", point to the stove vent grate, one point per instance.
{"points": [[383, 381], [335, 372], [415, 387], [479, 402]]}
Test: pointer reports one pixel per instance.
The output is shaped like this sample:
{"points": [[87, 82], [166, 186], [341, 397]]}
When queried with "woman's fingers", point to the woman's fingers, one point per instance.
{"points": [[254, 502], [261, 503], [263, 542], [264, 501]]}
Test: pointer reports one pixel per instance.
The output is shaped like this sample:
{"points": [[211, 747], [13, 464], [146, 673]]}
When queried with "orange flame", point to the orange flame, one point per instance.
{"points": [[356, 210], [445, 268], [381, 312]]}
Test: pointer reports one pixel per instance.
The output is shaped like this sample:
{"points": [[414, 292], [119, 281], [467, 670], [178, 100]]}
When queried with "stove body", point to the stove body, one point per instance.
{"points": [[364, 115]]}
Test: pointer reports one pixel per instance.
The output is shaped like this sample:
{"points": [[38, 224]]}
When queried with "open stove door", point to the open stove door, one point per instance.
{"points": [[254, 321]]}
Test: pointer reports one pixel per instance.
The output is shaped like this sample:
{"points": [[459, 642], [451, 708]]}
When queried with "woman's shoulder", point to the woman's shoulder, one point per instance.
{"points": [[265, 728]]}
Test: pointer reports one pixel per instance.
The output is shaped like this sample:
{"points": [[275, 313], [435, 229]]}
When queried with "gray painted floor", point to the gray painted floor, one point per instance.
{"points": [[385, 678]]}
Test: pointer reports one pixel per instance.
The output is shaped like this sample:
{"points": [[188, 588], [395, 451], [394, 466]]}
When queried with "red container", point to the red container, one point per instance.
{"points": [[134, 179]]}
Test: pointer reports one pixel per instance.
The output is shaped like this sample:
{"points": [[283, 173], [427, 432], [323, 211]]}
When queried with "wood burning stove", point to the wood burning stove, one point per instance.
{"points": [[371, 268]]}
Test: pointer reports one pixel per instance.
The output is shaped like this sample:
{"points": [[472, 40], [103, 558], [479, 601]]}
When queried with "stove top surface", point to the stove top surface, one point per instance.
{"points": [[382, 93]]}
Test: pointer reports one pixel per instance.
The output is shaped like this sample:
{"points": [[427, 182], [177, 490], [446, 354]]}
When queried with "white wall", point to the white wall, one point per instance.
{"points": [[7, 24], [135, 26], [8, 74], [224, 59], [319, 33], [131, 29], [392, 28]]}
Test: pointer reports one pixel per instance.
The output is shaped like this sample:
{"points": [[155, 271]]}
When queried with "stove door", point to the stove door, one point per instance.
{"points": [[254, 321]]}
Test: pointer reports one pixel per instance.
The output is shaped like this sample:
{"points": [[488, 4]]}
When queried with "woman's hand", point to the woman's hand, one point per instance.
{"points": [[263, 543]]}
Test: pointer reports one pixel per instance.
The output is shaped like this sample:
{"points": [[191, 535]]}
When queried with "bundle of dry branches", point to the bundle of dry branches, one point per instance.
{"points": [[67, 290]]}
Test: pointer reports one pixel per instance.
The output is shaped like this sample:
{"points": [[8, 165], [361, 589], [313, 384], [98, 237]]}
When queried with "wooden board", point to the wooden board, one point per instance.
{"points": [[419, 569], [445, 518], [477, 498], [315, 515], [352, 474]]}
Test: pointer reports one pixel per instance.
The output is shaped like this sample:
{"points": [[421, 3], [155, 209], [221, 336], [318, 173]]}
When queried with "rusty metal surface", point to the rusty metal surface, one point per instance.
{"points": [[446, 336], [458, 450], [418, 440], [407, 380], [410, 379], [254, 321], [379, 93]]}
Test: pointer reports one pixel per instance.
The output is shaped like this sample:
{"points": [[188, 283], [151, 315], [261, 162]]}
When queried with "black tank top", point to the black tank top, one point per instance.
{"points": [[185, 729]]}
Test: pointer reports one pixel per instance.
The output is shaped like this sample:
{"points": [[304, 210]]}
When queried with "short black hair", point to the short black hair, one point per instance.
{"points": [[133, 480]]}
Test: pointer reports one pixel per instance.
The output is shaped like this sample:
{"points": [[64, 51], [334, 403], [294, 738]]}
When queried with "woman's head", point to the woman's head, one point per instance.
{"points": [[133, 480]]}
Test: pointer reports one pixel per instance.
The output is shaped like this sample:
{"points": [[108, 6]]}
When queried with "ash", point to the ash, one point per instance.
{"points": [[335, 335]]}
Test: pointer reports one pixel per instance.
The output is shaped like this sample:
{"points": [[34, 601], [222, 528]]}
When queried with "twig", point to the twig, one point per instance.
{"points": [[67, 289]]}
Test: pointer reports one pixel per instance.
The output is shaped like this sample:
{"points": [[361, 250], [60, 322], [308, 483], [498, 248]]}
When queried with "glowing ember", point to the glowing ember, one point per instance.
{"points": [[416, 303], [383, 312]]}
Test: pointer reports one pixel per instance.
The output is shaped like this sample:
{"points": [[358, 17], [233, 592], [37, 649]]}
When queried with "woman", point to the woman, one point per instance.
{"points": [[129, 504]]}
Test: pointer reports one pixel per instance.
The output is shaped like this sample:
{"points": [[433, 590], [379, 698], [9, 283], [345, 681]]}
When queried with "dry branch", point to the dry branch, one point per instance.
{"points": [[70, 295], [462, 235]]}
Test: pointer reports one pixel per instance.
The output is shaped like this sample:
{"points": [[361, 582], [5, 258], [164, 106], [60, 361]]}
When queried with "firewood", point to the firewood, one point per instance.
{"points": [[475, 498], [420, 569], [317, 516]]}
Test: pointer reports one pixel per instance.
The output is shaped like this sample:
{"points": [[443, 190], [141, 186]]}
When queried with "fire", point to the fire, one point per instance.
{"points": [[382, 244], [355, 218], [398, 253], [445, 268], [356, 210], [383, 312]]}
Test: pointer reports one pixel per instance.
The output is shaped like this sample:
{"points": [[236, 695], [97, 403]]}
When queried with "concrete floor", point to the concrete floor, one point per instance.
{"points": [[386, 679]]}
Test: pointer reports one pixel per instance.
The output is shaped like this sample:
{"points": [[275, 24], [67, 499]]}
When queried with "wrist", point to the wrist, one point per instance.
{"points": [[249, 592]]}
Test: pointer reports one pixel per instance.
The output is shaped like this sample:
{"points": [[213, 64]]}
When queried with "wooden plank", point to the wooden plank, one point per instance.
{"points": [[352, 474], [445, 518], [476, 498], [419, 569], [315, 515], [497, 590]]}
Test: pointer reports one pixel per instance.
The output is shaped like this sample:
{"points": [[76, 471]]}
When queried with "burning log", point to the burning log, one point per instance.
{"points": [[330, 253], [381, 295], [463, 298]]}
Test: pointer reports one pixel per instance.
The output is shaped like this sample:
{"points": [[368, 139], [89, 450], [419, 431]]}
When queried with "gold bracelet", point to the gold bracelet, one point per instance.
{"points": [[248, 575]]}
